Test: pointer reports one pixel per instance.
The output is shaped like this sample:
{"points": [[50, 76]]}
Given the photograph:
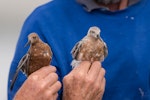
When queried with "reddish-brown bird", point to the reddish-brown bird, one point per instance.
{"points": [[90, 48], [38, 55]]}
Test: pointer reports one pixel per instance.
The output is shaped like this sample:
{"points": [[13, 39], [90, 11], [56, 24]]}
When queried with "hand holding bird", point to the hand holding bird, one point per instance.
{"points": [[90, 48], [38, 55]]}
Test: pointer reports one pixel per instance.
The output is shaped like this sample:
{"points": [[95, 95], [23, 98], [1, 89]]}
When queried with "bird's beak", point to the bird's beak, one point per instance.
{"points": [[28, 43]]}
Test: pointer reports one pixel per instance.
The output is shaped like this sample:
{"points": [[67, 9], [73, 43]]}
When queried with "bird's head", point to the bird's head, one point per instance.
{"points": [[32, 38], [94, 32]]}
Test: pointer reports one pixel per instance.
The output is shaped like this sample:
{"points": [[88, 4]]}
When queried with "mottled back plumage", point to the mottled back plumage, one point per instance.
{"points": [[90, 48], [39, 55]]}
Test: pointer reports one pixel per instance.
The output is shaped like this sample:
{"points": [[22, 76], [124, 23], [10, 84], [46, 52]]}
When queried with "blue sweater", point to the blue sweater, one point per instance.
{"points": [[61, 23]]}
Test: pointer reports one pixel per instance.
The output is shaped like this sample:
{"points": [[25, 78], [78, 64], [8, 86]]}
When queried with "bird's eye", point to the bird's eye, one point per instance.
{"points": [[92, 32], [34, 37]]}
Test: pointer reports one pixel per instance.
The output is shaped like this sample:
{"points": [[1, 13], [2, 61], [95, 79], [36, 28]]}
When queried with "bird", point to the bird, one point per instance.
{"points": [[38, 55], [90, 48]]}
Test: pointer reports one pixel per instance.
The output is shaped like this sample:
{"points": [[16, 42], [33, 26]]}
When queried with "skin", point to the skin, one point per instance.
{"points": [[108, 1], [122, 4], [85, 82], [40, 85]]}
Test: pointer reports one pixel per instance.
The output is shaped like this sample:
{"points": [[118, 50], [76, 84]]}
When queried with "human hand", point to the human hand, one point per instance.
{"points": [[85, 82], [40, 85]]}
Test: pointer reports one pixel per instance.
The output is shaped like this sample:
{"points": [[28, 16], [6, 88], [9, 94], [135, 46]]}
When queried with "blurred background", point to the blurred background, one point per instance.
{"points": [[12, 15]]}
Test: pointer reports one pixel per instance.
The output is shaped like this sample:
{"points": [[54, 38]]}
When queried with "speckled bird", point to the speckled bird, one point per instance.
{"points": [[39, 55], [90, 48]]}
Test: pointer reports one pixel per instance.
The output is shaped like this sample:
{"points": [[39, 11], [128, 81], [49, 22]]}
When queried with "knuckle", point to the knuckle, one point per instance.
{"points": [[97, 87], [54, 76], [58, 84], [48, 94], [66, 79], [53, 68], [79, 76], [33, 78], [89, 80], [96, 64], [44, 68], [47, 69], [41, 86], [103, 71]]}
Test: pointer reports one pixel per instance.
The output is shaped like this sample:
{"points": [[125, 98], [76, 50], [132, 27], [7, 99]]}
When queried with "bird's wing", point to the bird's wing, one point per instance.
{"points": [[105, 48], [76, 49], [50, 50], [23, 63]]}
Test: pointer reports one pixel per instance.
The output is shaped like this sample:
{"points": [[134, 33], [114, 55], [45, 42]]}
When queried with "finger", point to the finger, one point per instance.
{"points": [[102, 82], [48, 95], [102, 89], [44, 71], [101, 75], [54, 88], [103, 85], [100, 93], [55, 96], [83, 67], [50, 79], [94, 69]]}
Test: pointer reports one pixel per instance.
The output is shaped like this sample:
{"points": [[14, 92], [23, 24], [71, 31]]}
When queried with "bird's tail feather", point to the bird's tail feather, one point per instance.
{"points": [[14, 79], [21, 64]]}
